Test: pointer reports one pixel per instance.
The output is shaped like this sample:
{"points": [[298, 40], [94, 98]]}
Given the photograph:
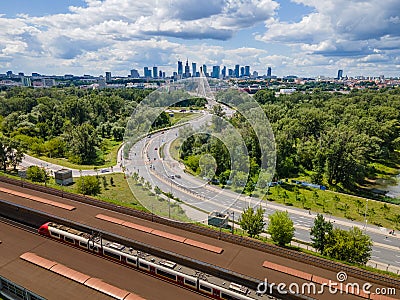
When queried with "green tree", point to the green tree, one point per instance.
{"points": [[320, 232], [135, 177], [265, 96], [36, 174], [83, 143], [280, 227], [252, 221], [105, 184], [88, 185], [352, 246], [3, 152], [157, 190]]}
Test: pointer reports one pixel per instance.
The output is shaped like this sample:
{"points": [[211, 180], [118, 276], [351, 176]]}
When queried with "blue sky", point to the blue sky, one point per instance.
{"points": [[294, 37]]}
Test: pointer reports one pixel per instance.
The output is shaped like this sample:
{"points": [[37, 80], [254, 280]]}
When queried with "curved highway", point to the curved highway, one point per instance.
{"points": [[150, 158]]}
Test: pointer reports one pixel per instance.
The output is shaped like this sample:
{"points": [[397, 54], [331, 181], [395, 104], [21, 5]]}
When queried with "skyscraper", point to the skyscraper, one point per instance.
{"points": [[241, 71], [223, 72], [237, 71], [194, 69], [340, 74], [187, 70], [205, 70], [215, 72], [147, 72], [247, 71], [269, 72], [155, 72], [135, 73], [108, 76], [180, 68]]}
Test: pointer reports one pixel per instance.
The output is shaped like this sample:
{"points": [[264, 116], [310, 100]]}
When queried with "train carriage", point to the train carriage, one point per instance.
{"points": [[163, 269]]}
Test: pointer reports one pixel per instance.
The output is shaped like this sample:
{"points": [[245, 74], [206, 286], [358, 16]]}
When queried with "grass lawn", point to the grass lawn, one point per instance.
{"points": [[119, 194], [337, 204], [174, 149], [179, 118], [156, 204], [332, 203], [109, 156]]}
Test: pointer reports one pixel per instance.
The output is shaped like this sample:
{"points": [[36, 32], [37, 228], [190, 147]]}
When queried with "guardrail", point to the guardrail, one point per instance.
{"points": [[235, 239]]}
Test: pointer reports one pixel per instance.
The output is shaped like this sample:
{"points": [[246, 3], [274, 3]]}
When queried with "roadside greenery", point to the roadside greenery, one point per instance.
{"points": [[89, 185], [252, 221], [320, 233], [338, 140], [67, 123], [280, 227], [36, 174], [352, 245]]}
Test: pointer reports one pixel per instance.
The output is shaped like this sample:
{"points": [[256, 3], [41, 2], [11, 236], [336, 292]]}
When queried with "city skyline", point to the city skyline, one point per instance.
{"points": [[306, 38]]}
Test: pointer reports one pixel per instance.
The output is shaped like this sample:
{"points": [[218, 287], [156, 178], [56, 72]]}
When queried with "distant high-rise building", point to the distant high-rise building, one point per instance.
{"points": [[223, 72], [230, 72], [26, 81], [205, 70], [194, 69], [9, 74], [160, 74], [247, 71], [48, 82], [237, 71], [135, 73], [180, 68], [155, 72], [339, 74], [269, 72], [241, 71], [187, 70], [215, 72], [108, 76], [147, 72]]}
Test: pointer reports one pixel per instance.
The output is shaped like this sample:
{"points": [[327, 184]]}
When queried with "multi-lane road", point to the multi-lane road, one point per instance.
{"points": [[150, 158]]}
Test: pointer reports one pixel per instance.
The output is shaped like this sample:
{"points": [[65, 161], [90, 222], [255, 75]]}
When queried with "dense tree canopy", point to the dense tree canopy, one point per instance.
{"points": [[332, 137], [66, 122]]}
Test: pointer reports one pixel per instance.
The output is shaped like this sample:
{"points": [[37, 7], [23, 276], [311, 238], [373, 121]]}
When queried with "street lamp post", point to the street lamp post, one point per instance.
{"points": [[233, 222], [365, 215]]}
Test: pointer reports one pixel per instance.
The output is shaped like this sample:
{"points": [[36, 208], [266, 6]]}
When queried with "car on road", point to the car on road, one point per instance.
{"points": [[177, 176], [104, 171]]}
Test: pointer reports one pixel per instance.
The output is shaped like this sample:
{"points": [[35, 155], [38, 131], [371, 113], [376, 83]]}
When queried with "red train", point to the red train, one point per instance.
{"points": [[181, 275]]}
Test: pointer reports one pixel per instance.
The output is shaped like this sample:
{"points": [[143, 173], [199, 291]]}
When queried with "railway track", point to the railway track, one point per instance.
{"points": [[29, 221], [19, 225], [267, 248]]}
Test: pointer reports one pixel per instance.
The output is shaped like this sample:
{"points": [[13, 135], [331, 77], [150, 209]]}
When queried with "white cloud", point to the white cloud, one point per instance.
{"points": [[119, 35], [339, 27]]}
